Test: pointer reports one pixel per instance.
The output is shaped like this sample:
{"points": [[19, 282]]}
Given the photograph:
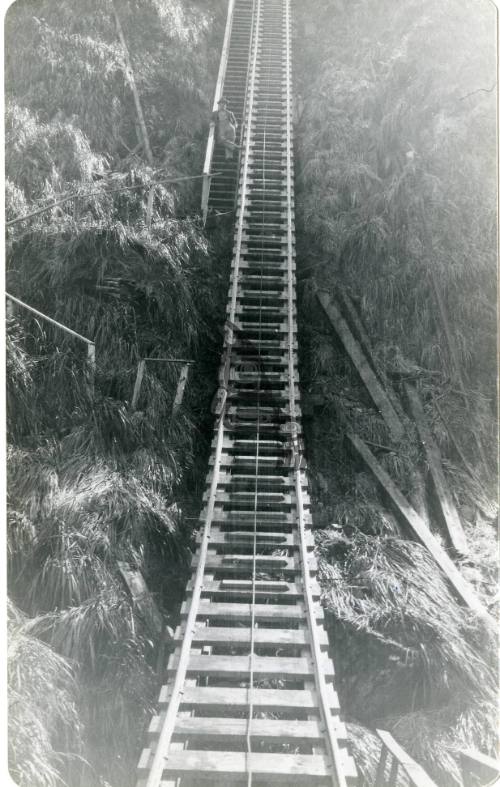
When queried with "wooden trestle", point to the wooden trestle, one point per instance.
{"points": [[249, 694]]}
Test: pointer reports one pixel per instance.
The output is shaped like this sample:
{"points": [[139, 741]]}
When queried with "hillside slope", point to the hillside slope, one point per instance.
{"points": [[396, 206], [396, 218], [92, 483]]}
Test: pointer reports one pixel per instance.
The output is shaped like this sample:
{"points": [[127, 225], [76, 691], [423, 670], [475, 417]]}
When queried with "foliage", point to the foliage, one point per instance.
{"points": [[428, 669], [92, 482], [382, 198], [43, 715], [396, 196]]}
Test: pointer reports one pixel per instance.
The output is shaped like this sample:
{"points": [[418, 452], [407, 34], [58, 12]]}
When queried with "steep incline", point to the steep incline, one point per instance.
{"points": [[249, 695]]}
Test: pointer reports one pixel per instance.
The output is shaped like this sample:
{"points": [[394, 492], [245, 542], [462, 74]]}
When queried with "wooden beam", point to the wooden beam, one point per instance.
{"points": [[447, 506], [356, 322], [131, 79], [141, 596], [239, 635], [239, 666], [454, 359], [365, 371], [138, 383], [213, 727], [214, 610], [272, 768], [474, 763], [216, 698], [179, 394], [272, 729], [418, 528], [415, 772]]}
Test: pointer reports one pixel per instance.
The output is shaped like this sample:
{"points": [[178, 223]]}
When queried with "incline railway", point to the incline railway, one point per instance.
{"points": [[249, 695], [249, 690]]}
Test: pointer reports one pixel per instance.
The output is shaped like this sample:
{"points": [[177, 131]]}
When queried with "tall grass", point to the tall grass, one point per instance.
{"points": [[429, 667], [91, 482], [44, 724]]}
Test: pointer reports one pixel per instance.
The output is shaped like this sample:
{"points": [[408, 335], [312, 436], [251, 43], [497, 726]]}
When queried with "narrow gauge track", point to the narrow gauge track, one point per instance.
{"points": [[249, 695]]}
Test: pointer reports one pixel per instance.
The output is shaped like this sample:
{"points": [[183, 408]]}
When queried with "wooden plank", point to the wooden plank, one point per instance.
{"points": [[266, 519], [418, 776], [357, 323], [239, 538], [287, 730], [274, 768], [380, 774], [241, 635], [243, 612], [231, 563], [480, 765], [138, 383], [265, 498], [417, 525], [264, 588], [239, 666], [219, 698], [375, 389], [457, 367], [141, 596], [447, 506]]}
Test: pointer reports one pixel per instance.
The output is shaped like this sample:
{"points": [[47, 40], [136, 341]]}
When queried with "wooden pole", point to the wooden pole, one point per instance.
{"points": [[462, 588], [49, 319], [138, 382], [149, 208], [179, 394], [131, 80], [447, 506], [453, 355], [486, 769], [380, 775], [416, 774], [365, 371], [91, 368]]}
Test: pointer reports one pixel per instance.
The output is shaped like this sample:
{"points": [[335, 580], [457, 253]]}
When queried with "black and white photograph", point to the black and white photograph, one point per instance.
{"points": [[251, 432]]}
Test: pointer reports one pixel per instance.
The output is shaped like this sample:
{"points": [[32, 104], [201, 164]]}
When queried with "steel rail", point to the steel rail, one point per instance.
{"points": [[253, 33], [262, 242], [161, 755], [338, 778], [244, 179], [218, 93]]}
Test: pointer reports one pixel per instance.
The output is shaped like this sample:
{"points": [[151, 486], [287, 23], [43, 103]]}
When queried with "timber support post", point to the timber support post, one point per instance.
{"points": [[131, 79], [365, 371], [138, 383], [181, 384], [415, 774], [91, 368], [179, 394], [447, 507], [461, 587], [484, 769], [140, 115]]}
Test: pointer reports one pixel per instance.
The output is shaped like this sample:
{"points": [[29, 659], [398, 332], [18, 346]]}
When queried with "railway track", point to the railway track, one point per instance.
{"points": [[249, 695]]}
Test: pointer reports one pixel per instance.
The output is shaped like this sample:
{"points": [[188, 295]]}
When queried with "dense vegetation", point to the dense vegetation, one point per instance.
{"points": [[395, 203], [396, 217], [91, 482]]}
